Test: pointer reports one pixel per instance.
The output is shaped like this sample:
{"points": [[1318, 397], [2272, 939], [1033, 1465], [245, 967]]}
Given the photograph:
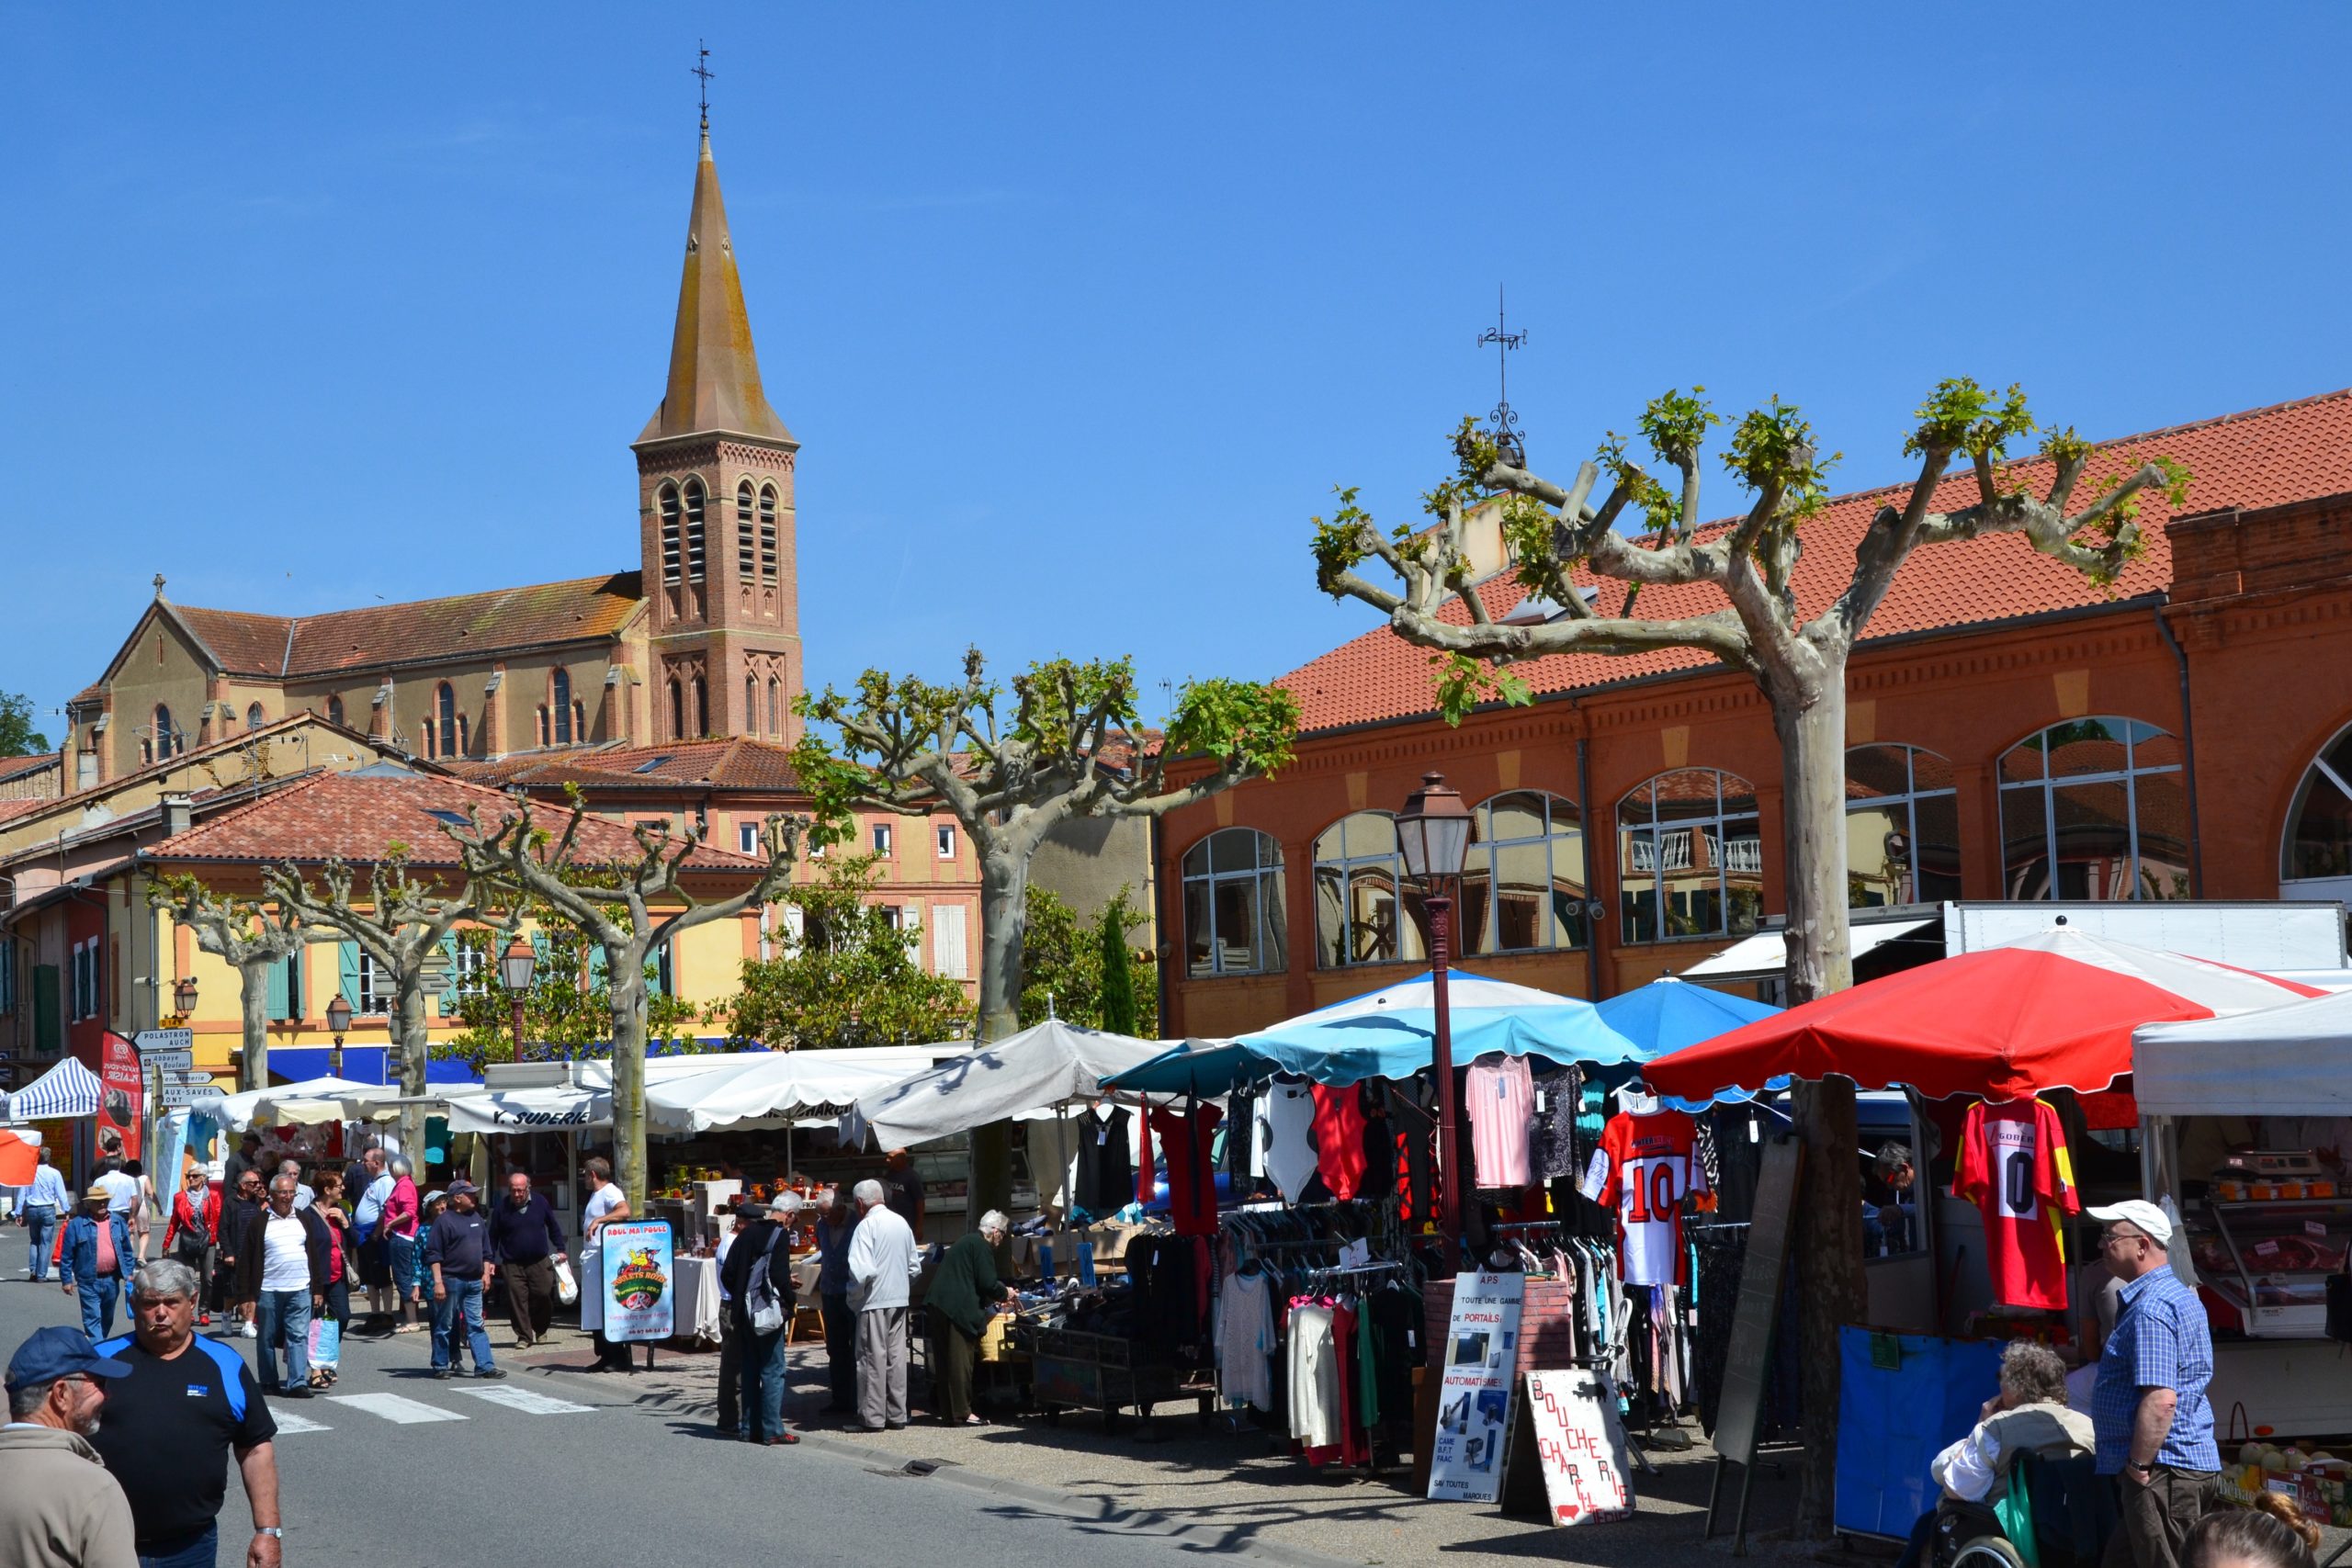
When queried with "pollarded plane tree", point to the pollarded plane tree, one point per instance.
{"points": [[1563, 543], [252, 937], [400, 921], [1073, 745], [629, 906]]}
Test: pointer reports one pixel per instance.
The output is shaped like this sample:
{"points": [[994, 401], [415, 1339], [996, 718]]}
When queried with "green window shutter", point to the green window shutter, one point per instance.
{"points": [[350, 955], [599, 966], [442, 1006], [49, 1030], [661, 981], [279, 1001]]}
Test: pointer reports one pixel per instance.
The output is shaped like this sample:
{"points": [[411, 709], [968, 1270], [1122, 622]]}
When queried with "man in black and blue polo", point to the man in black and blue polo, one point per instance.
{"points": [[187, 1408]]}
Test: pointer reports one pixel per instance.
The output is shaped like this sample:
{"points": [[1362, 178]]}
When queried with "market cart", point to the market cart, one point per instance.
{"points": [[1074, 1370]]}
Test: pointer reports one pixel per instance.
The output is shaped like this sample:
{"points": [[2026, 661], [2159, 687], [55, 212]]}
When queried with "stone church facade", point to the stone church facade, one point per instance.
{"points": [[700, 639]]}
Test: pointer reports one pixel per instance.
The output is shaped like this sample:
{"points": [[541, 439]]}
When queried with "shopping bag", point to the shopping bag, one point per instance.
{"points": [[566, 1289]]}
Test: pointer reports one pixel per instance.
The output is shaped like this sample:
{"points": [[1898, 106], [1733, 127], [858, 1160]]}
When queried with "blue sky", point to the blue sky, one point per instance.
{"points": [[1079, 313]]}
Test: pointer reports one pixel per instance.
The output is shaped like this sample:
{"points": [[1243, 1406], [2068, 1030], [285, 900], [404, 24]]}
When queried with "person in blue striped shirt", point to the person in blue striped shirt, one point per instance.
{"points": [[2149, 1408]]}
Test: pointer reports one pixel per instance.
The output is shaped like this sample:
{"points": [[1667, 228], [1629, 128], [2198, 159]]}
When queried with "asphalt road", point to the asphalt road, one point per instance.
{"points": [[554, 1468]]}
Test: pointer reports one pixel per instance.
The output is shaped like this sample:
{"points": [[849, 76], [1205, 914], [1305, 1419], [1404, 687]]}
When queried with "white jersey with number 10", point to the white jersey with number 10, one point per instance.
{"points": [[1652, 1169]]}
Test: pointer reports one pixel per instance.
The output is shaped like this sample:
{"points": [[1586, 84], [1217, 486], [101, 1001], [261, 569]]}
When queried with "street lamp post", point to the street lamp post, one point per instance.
{"points": [[338, 1025], [1434, 831], [515, 966], [183, 995]]}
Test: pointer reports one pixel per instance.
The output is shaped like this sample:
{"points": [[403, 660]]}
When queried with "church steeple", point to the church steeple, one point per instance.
{"points": [[716, 517], [714, 372]]}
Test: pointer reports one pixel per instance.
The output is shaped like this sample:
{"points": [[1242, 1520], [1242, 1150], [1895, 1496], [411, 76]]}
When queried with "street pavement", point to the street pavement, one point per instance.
{"points": [[556, 1468]]}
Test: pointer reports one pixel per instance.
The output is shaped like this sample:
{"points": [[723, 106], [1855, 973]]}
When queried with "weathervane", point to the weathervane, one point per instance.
{"points": [[703, 70], [1507, 435]]}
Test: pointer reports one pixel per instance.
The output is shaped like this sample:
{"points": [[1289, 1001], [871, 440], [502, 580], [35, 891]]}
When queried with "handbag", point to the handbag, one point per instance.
{"points": [[566, 1289]]}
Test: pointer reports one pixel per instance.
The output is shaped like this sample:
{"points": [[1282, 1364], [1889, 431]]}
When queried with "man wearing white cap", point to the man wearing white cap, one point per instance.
{"points": [[2155, 1426]]}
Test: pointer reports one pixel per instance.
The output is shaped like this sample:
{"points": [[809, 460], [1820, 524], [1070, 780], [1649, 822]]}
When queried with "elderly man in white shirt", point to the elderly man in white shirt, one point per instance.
{"points": [[883, 1263]]}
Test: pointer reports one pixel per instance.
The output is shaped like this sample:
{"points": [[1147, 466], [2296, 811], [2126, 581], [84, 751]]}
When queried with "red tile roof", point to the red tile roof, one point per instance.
{"points": [[359, 815], [16, 767], [463, 625], [734, 763], [2263, 458]]}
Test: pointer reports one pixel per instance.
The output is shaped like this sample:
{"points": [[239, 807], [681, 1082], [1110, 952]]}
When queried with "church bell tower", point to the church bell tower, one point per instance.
{"points": [[715, 472]]}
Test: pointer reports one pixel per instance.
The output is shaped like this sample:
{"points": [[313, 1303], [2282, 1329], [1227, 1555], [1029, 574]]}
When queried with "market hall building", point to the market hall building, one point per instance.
{"points": [[2013, 732]]}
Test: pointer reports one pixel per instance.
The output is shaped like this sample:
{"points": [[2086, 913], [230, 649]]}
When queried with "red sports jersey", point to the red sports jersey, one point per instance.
{"points": [[1649, 1171], [2014, 1166]]}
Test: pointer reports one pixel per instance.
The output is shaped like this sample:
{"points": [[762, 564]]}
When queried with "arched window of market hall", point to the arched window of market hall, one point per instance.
{"points": [[1366, 910], [2316, 861], [1690, 857], [2095, 808], [1233, 904], [1902, 828], [1523, 881]]}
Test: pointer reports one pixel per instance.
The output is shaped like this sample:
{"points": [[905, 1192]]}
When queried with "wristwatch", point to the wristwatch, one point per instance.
{"points": [[277, 1531], [2145, 1471]]}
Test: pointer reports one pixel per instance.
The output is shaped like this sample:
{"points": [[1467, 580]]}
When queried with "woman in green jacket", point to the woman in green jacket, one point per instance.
{"points": [[962, 1288]]}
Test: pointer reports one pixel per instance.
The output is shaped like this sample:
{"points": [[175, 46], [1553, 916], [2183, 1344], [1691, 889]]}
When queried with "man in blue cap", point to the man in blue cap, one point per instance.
{"points": [[59, 1508]]}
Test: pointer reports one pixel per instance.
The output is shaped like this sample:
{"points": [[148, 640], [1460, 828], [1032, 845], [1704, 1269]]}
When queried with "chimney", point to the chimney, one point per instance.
{"points": [[178, 814]]}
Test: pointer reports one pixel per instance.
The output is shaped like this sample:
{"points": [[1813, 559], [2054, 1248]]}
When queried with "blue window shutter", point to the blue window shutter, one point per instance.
{"points": [[279, 1000], [350, 956]]}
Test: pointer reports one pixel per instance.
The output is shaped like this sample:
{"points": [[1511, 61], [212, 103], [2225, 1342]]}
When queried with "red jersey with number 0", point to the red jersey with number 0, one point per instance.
{"points": [[2014, 1166], [1652, 1169]]}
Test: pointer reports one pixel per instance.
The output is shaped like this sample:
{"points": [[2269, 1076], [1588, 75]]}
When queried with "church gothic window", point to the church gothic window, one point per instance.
{"points": [[746, 552], [767, 535], [163, 744], [444, 725], [775, 707], [696, 555], [255, 717], [670, 547], [562, 704], [334, 710], [677, 711]]}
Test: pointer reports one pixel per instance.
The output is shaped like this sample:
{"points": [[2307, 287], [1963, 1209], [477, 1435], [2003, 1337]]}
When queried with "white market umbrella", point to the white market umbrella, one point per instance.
{"points": [[1049, 1064]]}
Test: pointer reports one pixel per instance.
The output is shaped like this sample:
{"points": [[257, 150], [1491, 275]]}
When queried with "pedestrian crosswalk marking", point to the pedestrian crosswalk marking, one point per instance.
{"points": [[291, 1425], [529, 1401], [392, 1407]]}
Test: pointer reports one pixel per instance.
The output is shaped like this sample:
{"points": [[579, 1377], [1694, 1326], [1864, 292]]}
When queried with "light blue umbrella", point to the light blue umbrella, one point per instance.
{"points": [[1668, 1014], [1388, 1033]]}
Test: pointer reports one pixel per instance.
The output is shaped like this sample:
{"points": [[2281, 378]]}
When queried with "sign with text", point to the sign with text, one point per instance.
{"points": [[640, 1280], [1473, 1396], [148, 1040], [178, 1094], [167, 1059], [1580, 1446], [124, 1088]]}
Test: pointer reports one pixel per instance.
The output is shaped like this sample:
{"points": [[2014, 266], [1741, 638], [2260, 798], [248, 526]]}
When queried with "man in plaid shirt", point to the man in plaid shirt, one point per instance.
{"points": [[2154, 1427]]}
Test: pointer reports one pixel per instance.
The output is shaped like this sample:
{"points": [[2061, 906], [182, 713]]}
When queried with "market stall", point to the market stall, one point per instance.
{"points": [[2247, 1130]]}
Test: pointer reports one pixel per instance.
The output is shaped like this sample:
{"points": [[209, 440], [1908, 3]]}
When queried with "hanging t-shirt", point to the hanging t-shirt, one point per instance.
{"points": [[1643, 1169], [1106, 1162], [1339, 1139], [2015, 1168], [1499, 1094], [1286, 1137]]}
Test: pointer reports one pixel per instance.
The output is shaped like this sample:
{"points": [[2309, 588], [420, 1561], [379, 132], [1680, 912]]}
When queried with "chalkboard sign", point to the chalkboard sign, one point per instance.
{"points": [[1747, 1360]]}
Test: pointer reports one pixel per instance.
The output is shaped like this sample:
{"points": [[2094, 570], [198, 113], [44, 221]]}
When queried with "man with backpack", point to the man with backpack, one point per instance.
{"points": [[757, 1278]]}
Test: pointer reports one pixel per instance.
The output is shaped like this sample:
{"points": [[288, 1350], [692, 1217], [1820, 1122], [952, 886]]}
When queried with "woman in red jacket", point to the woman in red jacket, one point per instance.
{"points": [[195, 1227]]}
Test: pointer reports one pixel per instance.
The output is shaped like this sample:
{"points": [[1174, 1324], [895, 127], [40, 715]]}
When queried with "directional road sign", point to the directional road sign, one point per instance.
{"points": [[175, 1094], [149, 1040], [199, 1079], [179, 1058]]}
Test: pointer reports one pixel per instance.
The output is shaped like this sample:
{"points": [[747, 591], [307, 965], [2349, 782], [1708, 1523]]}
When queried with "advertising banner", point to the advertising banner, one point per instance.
{"points": [[1580, 1446], [640, 1282], [1473, 1399], [123, 1089]]}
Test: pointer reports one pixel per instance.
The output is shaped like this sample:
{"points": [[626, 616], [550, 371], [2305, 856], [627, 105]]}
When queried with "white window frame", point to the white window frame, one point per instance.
{"points": [[943, 834], [881, 838], [373, 1001], [2049, 783], [747, 836]]}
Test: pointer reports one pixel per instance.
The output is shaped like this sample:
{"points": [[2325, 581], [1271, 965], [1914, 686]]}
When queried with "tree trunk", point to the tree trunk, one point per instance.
{"points": [[1811, 727], [1005, 920], [253, 997], [409, 1041], [1004, 923], [629, 1078]]}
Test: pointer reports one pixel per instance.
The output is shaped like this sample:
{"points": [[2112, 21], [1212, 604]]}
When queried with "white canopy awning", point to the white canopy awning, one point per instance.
{"points": [[1044, 1065], [2294, 1060], [690, 1094], [1767, 952], [239, 1112]]}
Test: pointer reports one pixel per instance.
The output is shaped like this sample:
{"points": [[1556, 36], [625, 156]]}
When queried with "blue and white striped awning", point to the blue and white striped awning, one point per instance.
{"points": [[68, 1089]]}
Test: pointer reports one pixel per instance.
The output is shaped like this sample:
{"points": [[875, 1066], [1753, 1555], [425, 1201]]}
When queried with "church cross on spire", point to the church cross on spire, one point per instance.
{"points": [[703, 70]]}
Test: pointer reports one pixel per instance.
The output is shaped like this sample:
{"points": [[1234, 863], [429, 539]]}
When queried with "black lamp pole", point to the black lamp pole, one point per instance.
{"points": [[1434, 832]]}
